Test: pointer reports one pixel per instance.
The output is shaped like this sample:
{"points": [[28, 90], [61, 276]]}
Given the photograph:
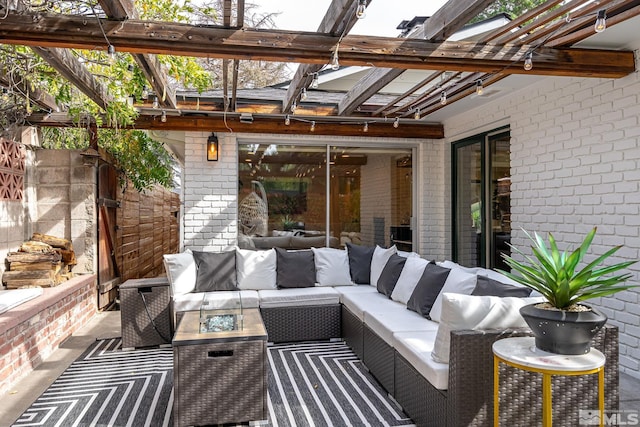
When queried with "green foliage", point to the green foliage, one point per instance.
{"points": [[141, 159], [554, 274]]}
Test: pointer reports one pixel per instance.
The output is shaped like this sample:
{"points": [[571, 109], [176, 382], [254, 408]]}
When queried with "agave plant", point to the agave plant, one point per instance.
{"points": [[554, 274]]}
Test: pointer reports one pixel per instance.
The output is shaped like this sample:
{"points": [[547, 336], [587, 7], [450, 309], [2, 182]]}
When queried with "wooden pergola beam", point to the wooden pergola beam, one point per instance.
{"points": [[452, 16], [137, 36], [338, 20], [76, 73], [269, 125], [149, 64]]}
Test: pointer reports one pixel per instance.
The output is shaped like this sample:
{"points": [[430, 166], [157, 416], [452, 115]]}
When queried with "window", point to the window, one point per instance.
{"points": [[481, 199], [364, 196]]}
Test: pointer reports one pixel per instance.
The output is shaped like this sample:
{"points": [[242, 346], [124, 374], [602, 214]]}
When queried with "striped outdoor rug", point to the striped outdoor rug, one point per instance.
{"points": [[310, 384]]}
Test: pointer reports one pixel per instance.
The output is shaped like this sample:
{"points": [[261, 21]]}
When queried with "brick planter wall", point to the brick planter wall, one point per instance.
{"points": [[30, 332]]}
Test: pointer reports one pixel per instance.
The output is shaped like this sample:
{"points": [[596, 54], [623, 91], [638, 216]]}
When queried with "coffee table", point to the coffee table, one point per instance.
{"points": [[220, 377]]}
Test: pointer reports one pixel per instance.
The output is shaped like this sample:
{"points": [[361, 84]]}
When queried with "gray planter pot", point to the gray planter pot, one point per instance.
{"points": [[563, 332]]}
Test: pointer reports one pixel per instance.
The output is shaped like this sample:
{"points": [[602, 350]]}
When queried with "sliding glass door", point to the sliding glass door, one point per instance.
{"points": [[361, 195], [481, 199]]}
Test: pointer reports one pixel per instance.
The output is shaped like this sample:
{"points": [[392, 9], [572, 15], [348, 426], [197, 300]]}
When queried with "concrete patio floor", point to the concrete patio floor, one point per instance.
{"points": [[107, 325]]}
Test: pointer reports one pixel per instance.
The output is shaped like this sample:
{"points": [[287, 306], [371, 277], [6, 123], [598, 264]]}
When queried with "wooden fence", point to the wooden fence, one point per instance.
{"points": [[147, 228]]}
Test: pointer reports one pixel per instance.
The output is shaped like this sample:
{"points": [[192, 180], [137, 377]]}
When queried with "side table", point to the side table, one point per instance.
{"points": [[220, 376], [521, 353], [145, 312]]}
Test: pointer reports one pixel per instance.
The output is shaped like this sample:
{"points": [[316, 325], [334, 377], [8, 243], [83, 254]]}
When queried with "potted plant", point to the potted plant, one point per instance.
{"points": [[563, 324]]}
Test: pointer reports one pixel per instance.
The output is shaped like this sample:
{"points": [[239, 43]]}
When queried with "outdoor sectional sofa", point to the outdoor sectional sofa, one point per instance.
{"points": [[312, 295]]}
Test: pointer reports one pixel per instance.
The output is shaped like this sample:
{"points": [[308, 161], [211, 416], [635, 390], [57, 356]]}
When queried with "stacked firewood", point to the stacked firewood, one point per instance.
{"points": [[42, 261]]}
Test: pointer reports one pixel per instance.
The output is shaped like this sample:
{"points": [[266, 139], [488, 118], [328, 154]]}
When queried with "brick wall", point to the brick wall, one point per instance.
{"points": [[434, 200], [210, 194], [33, 330], [575, 159]]}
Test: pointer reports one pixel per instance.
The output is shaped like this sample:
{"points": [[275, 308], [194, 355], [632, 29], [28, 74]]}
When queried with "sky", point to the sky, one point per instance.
{"points": [[382, 17]]}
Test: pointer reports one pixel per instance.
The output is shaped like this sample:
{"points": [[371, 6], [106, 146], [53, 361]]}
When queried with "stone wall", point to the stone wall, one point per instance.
{"points": [[66, 203], [575, 164]]}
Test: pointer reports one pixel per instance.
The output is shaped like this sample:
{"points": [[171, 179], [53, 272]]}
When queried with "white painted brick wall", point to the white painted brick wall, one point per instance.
{"points": [[575, 164], [210, 194]]}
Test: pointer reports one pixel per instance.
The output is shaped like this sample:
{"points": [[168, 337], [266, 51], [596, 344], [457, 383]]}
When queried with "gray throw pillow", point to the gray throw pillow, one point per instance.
{"points": [[390, 274], [216, 271], [295, 269], [489, 287], [360, 262], [427, 289]]}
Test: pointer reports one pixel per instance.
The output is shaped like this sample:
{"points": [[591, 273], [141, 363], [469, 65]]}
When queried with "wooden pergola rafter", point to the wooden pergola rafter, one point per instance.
{"points": [[544, 30], [338, 20]]}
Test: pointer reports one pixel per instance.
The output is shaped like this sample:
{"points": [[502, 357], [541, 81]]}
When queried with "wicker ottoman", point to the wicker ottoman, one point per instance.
{"points": [[145, 312]]}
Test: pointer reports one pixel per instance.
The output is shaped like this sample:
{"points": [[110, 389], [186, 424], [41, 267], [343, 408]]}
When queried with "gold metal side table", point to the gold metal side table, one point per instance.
{"points": [[521, 353]]}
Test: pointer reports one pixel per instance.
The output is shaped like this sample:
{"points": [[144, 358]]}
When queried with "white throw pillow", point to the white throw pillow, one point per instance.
{"points": [[411, 274], [332, 267], [181, 271], [378, 261], [471, 312], [458, 281], [408, 254], [256, 269]]}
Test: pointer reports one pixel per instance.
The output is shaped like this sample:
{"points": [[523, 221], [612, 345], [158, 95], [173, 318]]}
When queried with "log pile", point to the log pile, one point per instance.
{"points": [[42, 261]]}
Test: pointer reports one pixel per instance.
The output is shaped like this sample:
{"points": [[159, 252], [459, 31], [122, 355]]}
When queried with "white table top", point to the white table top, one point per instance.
{"points": [[522, 351]]}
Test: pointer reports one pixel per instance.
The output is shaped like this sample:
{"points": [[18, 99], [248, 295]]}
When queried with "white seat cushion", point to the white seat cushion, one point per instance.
{"points": [[219, 300], [294, 297], [416, 348], [396, 318], [358, 289], [359, 302]]}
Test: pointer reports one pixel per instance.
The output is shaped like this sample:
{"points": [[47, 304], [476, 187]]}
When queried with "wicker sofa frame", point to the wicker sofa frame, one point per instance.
{"points": [[469, 398]]}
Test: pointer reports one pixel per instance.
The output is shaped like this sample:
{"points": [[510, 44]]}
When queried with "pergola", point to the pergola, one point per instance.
{"points": [[451, 71]]}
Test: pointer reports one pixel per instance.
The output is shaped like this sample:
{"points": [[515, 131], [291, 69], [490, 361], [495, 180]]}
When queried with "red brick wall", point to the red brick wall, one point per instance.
{"points": [[30, 332]]}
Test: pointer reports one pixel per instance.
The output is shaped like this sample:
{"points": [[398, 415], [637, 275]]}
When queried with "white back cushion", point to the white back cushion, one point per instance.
{"points": [[460, 312], [181, 272], [458, 281], [256, 269], [332, 267], [411, 273], [378, 261]]}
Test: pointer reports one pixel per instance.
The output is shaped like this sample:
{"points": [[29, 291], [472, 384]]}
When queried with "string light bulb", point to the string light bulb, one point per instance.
{"points": [[314, 81], [396, 122], [294, 107], [361, 9], [312, 128], [365, 127], [601, 21], [528, 61], [163, 117], [111, 51], [287, 120], [303, 94], [335, 63], [156, 104], [479, 88], [416, 114], [443, 97], [145, 93]]}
